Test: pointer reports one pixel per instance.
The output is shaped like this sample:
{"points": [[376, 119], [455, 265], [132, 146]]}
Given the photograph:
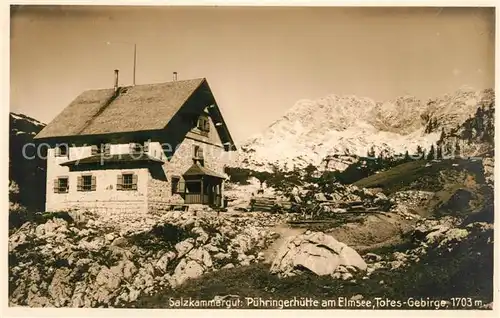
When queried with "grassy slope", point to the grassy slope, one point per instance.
{"points": [[443, 177], [419, 175]]}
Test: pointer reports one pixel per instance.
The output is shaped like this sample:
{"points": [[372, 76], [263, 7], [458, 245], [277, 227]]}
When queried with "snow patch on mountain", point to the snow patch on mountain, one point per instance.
{"points": [[23, 117], [343, 127]]}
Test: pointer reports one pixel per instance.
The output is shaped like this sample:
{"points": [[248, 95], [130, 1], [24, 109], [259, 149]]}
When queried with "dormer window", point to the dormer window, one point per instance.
{"points": [[61, 150], [135, 148], [139, 148], [101, 149]]}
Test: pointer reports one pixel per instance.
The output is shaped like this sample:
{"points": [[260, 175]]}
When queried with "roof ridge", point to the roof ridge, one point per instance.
{"points": [[201, 79]]}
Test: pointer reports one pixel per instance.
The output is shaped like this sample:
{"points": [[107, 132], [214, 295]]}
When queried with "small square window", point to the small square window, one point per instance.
{"points": [[87, 183], [127, 181], [203, 124], [62, 151], [61, 185]]}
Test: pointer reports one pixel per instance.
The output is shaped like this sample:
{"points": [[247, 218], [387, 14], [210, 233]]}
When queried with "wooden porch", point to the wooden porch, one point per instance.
{"points": [[202, 186]]}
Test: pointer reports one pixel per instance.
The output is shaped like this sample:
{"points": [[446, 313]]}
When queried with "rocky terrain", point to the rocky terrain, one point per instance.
{"points": [[342, 127], [442, 258], [474, 137], [360, 237], [81, 260], [393, 228]]}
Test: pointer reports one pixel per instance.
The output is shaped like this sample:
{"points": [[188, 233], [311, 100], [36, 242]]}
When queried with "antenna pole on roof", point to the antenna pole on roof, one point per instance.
{"points": [[135, 57], [135, 63]]}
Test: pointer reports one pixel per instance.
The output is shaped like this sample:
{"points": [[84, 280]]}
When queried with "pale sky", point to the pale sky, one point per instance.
{"points": [[258, 61]]}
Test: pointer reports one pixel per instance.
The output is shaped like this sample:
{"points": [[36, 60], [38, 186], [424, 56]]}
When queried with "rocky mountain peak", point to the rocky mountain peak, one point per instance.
{"points": [[312, 130]]}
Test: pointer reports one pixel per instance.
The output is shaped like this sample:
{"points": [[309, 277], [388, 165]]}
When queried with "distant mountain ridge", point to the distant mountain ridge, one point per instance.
{"points": [[27, 176], [343, 127]]}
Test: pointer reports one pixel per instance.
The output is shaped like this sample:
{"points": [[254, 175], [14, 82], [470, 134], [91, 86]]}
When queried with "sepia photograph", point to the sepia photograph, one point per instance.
{"points": [[251, 157]]}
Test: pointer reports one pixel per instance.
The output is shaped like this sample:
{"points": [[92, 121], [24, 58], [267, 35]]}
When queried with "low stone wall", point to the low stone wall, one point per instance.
{"points": [[159, 207], [121, 207]]}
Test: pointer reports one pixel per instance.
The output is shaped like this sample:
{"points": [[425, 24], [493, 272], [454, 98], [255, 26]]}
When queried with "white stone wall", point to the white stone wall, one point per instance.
{"points": [[105, 197], [153, 194]]}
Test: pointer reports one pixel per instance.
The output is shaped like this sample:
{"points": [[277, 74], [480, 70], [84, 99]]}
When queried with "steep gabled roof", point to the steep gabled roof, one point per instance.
{"points": [[130, 109]]}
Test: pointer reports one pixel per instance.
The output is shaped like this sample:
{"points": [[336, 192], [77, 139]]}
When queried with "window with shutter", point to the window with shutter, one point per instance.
{"points": [[86, 183], [61, 185], [93, 185], [79, 183], [134, 182], [119, 182], [127, 181]]}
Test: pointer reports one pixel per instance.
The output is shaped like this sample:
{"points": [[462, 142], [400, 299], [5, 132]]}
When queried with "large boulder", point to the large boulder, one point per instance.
{"points": [[315, 252], [187, 269]]}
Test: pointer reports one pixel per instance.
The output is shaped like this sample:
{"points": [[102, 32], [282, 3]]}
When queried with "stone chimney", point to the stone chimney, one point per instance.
{"points": [[116, 81], [175, 76]]}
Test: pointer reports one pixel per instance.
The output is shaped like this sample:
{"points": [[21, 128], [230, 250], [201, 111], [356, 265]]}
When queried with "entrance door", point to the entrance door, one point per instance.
{"points": [[214, 193]]}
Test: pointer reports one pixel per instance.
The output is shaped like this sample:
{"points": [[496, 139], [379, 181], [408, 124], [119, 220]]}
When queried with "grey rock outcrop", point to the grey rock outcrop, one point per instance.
{"points": [[316, 252]]}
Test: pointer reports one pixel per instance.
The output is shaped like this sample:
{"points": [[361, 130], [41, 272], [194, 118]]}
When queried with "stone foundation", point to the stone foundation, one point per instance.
{"points": [[125, 207]]}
